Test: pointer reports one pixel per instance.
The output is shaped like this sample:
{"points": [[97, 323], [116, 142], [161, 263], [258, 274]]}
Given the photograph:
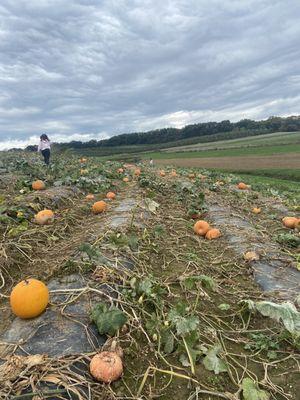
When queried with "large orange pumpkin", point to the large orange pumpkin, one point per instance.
{"points": [[29, 298], [212, 234], [106, 366], [111, 195], [290, 222], [201, 227], [38, 185], [99, 207], [44, 217], [242, 186]]}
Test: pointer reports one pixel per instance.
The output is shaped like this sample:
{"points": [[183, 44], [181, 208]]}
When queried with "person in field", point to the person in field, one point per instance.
{"points": [[45, 148]]}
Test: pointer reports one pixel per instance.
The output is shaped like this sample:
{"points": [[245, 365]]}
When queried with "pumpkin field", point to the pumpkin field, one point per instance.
{"points": [[128, 281]]}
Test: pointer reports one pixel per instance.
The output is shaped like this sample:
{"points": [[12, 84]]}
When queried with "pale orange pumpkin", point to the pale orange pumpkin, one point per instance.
{"points": [[173, 173], [111, 195], [242, 186], [83, 160], [44, 217], [201, 227], [38, 185], [290, 222], [212, 234], [137, 172], [256, 210], [89, 196], [162, 173], [125, 179], [106, 366], [120, 170], [99, 207], [29, 298]]}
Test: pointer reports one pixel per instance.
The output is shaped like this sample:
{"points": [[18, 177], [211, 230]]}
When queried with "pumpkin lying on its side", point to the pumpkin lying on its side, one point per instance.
{"points": [[290, 222], [213, 234]]}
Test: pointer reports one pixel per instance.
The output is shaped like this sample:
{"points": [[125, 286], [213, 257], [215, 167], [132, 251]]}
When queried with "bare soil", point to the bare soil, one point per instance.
{"points": [[247, 163]]}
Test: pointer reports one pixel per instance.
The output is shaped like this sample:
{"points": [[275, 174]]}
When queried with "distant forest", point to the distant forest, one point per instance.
{"points": [[206, 132]]}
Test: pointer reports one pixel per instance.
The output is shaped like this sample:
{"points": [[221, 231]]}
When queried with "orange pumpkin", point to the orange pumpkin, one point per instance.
{"points": [[137, 172], [242, 186], [212, 234], [201, 227], [125, 179], [106, 366], [162, 173], [38, 185], [120, 170], [89, 196], [29, 298], [83, 160], [256, 210], [290, 222], [99, 207], [111, 195], [173, 173], [44, 217]]}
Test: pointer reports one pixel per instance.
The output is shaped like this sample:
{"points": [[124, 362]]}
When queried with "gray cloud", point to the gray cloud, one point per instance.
{"points": [[90, 69]]}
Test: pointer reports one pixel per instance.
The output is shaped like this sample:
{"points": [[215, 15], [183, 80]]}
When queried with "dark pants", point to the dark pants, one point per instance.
{"points": [[46, 155]]}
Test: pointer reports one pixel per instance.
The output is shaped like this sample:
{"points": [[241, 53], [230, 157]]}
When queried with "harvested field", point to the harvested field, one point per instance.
{"points": [[246, 163], [192, 318]]}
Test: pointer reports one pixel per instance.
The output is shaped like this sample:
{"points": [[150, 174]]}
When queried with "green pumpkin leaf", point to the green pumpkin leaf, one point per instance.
{"points": [[108, 320], [212, 362], [251, 391]]}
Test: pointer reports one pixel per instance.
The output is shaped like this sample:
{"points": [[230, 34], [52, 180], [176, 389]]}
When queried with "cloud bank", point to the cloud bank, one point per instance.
{"points": [[89, 69]]}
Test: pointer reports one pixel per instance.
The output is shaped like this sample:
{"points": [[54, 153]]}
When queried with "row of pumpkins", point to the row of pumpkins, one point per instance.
{"points": [[46, 217]]}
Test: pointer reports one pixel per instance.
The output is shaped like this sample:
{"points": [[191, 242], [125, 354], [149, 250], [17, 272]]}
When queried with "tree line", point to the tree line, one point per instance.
{"points": [[207, 131]]}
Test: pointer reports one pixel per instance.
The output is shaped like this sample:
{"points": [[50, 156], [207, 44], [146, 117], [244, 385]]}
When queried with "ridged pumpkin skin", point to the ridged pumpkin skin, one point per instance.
{"points": [[99, 207], [44, 217], [111, 195], [242, 186], [106, 366], [290, 222], [38, 185], [212, 234], [29, 298], [201, 227], [89, 197]]}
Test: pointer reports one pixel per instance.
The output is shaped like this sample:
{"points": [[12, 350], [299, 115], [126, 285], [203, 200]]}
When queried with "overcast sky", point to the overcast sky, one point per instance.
{"points": [[85, 69]]}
